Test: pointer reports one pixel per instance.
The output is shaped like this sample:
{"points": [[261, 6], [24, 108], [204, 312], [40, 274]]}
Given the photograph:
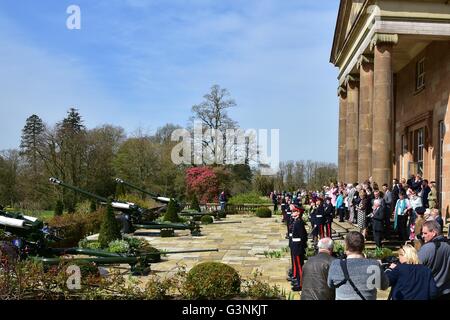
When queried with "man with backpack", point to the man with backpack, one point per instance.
{"points": [[435, 254], [356, 278]]}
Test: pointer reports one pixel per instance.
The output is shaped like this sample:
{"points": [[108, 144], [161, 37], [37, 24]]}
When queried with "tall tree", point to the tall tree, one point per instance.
{"points": [[9, 177], [103, 143], [137, 161], [30, 145], [213, 115], [71, 135], [31, 148]]}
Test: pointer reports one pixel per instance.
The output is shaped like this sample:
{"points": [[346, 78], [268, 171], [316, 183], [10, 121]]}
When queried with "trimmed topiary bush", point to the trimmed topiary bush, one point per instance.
{"points": [[195, 205], [207, 219], [109, 230], [171, 213], [222, 214], [212, 280], [263, 212]]}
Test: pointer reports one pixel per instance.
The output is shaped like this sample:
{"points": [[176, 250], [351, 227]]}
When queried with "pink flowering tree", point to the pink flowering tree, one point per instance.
{"points": [[203, 182]]}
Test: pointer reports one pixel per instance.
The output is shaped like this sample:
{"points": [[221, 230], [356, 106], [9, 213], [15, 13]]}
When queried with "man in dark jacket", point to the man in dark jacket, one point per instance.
{"points": [[425, 192], [410, 181], [395, 192], [223, 201], [435, 254], [315, 273], [275, 201], [328, 216], [378, 222]]}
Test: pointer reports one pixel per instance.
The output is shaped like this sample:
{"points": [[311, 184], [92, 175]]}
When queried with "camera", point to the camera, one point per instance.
{"points": [[386, 262]]}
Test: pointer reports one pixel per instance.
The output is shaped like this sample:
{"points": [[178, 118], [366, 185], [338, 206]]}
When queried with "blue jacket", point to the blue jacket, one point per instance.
{"points": [[412, 282], [340, 201]]}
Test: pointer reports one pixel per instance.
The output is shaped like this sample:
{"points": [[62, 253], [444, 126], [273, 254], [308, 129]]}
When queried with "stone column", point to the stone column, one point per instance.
{"points": [[351, 135], [382, 159], [365, 66], [342, 93]]}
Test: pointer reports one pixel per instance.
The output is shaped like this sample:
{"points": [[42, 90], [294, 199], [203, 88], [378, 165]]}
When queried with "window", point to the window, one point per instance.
{"points": [[403, 156], [420, 74], [441, 153], [420, 145]]}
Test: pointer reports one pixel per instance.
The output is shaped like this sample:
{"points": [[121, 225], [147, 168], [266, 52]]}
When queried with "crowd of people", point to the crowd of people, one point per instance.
{"points": [[407, 210], [396, 211]]}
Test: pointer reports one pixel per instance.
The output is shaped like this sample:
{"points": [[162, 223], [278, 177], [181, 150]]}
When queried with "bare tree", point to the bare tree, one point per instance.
{"points": [[213, 115]]}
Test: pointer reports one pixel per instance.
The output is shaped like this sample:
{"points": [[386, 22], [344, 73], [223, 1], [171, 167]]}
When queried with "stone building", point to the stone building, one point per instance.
{"points": [[394, 83]]}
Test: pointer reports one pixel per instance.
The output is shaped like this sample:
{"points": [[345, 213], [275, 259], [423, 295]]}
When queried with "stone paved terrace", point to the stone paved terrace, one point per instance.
{"points": [[241, 245]]}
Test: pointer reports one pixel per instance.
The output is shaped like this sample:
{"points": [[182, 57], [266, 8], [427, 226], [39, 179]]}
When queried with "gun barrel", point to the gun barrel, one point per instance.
{"points": [[182, 251], [76, 189], [154, 196], [156, 225], [14, 223], [97, 260]]}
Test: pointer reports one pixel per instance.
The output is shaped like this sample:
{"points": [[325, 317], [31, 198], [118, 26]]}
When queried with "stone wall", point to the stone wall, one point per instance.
{"points": [[425, 108]]}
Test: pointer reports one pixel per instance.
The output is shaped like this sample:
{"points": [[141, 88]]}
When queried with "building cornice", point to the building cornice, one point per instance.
{"points": [[387, 25], [383, 38]]}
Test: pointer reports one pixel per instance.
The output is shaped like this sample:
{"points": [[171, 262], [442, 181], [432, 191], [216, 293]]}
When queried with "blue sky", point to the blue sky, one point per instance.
{"points": [[144, 63]]}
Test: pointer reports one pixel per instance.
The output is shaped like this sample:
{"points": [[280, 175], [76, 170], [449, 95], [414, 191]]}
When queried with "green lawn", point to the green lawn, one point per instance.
{"points": [[40, 214]]}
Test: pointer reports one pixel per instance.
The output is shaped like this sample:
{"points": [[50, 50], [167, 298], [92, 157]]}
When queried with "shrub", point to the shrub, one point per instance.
{"points": [[157, 288], [109, 230], [83, 207], [249, 198], [207, 219], [255, 288], [222, 214], [93, 206], [263, 212], [74, 227], [212, 280], [339, 248], [378, 253], [71, 208], [59, 208], [136, 243], [171, 212], [118, 246], [86, 244], [195, 205]]}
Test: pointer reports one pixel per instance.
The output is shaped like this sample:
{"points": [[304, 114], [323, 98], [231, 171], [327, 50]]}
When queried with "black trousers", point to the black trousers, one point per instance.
{"points": [[378, 237], [402, 228], [297, 267], [341, 213]]}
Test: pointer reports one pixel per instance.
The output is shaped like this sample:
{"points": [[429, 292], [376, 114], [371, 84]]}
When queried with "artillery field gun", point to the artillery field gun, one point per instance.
{"points": [[28, 238], [132, 217], [184, 213]]}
